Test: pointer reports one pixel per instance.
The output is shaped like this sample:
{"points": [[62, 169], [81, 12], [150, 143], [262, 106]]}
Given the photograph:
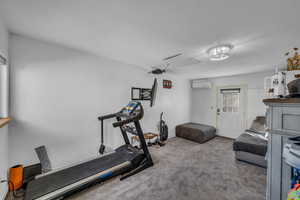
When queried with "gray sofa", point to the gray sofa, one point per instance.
{"points": [[251, 146], [196, 132]]}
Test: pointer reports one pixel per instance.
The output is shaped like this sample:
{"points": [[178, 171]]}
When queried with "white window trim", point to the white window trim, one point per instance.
{"points": [[228, 99], [4, 88]]}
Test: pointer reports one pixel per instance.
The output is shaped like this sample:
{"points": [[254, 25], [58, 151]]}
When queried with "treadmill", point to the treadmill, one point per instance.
{"points": [[125, 160]]}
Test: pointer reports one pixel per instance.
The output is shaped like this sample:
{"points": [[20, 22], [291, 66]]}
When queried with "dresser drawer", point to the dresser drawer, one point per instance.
{"points": [[286, 119], [291, 122]]}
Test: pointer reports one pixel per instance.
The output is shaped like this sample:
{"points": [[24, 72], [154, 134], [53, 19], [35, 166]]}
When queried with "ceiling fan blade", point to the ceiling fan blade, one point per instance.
{"points": [[153, 67], [171, 71], [171, 57], [187, 62]]}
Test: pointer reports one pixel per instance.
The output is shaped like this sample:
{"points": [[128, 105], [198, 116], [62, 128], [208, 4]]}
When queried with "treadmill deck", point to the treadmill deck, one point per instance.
{"points": [[60, 179]]}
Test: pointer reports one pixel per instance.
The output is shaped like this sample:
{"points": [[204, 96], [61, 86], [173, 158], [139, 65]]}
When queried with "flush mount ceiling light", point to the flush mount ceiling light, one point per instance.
{"points": [[220, 52]]}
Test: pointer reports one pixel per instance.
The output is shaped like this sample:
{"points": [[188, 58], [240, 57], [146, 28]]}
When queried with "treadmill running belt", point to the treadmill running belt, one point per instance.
{"points": [[65, 177]]}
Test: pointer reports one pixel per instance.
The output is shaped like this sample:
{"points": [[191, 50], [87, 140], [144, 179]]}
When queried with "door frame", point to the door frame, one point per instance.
{"points": [[244, 88]]}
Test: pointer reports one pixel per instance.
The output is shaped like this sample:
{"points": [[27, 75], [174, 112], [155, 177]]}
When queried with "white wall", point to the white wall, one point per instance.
{"points": [[3, 131], [3, 160], [3, 39], [57, 94], [204, 100]]}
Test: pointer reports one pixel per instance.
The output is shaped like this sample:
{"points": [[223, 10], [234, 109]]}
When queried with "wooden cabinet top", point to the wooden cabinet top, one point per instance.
{"points": [[4, 121], [282, 100]]}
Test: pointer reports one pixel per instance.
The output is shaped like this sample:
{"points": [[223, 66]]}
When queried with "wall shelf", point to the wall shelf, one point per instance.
{"points": [[4, 121]]}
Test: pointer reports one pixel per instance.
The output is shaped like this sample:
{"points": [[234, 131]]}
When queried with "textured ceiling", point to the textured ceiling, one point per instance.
{"points": [[143, 32]]}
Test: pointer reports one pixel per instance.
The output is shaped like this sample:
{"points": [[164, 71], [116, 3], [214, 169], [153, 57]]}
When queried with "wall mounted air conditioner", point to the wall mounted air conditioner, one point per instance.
{"points": [[201, 84]]}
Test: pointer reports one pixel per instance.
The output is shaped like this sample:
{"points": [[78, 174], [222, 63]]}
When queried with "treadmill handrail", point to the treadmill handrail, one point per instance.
{"points": [[130, 119], [104, 117]]}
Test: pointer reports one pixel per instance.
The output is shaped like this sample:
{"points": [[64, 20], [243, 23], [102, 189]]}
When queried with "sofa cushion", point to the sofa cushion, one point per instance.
{"points": [[251, 144]]}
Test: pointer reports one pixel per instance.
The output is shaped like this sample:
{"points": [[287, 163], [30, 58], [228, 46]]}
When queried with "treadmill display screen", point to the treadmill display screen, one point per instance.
{"points": [[130, 108]]}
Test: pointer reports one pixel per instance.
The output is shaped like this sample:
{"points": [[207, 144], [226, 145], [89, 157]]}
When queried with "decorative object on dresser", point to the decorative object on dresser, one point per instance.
{"points": [[294, 87], [275, 86], [293, 62], [282, 84]]}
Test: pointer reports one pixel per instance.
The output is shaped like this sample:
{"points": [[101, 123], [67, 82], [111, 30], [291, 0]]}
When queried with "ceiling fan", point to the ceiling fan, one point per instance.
{"points": [[157, 70]]}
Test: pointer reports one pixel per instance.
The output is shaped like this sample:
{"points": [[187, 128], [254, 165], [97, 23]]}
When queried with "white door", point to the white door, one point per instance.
{"points": [[230, 111]]}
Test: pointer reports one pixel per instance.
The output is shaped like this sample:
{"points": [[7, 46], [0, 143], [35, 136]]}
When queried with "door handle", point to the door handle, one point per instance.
{"points": [[218, 111]]}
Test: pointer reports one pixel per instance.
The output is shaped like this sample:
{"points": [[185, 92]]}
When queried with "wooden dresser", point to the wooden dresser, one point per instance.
{"points": [[283, 121]]}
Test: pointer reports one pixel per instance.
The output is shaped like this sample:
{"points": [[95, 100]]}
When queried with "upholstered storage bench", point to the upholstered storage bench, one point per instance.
{"points": [[196, 132]]}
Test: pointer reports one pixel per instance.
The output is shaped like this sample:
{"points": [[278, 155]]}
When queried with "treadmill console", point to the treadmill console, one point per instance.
{"points": [[131, 113], [130, 109]]}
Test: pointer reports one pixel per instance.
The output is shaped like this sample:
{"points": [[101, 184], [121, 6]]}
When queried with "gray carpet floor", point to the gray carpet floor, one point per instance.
{"points": [[187, 170]]}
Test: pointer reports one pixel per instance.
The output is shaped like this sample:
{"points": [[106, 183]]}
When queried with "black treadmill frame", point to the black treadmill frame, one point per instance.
{"points": [[134, 119], [147, 161], [136, 165]]}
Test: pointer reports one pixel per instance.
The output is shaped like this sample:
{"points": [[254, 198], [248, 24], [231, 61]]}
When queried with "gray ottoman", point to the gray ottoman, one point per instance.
{"points": [[196, 132]]}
